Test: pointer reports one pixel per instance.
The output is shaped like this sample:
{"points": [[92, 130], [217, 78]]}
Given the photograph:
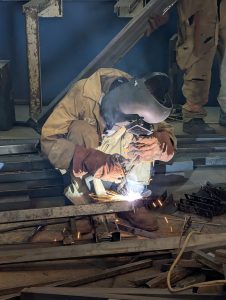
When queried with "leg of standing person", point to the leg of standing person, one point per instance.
{"points": [[222, 52], [195, 54]]}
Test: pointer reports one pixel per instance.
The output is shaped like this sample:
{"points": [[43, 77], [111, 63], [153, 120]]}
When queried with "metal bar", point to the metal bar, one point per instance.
{"points": [[150, 294], [33, 54], [37, 5], [124, 269], [35, 189], [182, 139], [25, 162], [208, 261], [105, 248], [115, 49], [11, 142], [19, 176], [137, 231], [16, 149], [66, 211]]}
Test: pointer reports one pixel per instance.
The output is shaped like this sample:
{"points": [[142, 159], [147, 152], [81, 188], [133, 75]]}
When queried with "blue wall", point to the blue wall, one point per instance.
{"points": [[68, 44]]}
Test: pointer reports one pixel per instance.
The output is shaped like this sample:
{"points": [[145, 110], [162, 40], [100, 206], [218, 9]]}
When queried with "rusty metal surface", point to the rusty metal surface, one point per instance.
{"points": [[62, 212], [36, 5], [33, 54], [33, 10]]}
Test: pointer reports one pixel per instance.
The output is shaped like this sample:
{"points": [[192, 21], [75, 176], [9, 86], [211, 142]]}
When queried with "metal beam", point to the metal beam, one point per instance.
{"points": [[66, 211], [17, 146], [115, 49], [33, 55], [105, 248], [33, 10], [37, 5]]}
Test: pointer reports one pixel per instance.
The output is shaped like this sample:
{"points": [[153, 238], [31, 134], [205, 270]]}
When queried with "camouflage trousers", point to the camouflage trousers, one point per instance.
{"points": [[201, 35]]}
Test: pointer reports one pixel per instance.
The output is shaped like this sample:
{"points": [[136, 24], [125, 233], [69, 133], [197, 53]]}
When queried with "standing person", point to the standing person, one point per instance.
{"points": [[100, 106], [202, 30]]}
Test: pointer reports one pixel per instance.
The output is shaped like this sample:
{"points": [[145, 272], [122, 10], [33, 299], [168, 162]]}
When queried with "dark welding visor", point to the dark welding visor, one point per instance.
{"points": [[135, 98]]}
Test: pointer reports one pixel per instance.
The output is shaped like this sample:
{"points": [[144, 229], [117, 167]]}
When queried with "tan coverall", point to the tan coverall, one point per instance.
{"points": [[76, 119], [202, 30]]}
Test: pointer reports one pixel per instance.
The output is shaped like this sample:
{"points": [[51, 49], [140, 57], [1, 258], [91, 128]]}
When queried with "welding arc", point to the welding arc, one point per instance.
{"points": [[197, 285]]}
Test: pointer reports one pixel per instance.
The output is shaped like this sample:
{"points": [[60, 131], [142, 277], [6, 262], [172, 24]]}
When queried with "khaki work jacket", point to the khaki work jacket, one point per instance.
{"points": [[82, 102]]}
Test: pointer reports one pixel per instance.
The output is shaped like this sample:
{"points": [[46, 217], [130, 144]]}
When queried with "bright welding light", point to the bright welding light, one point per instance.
{"points": [[131, 196]]}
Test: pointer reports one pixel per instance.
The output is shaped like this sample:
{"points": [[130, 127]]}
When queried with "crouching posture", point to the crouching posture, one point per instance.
{"points": [[89, 135]]}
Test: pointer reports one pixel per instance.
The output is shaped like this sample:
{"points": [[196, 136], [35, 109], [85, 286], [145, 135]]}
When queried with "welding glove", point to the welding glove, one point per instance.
{"points": [[157, 147], [96, 163]]}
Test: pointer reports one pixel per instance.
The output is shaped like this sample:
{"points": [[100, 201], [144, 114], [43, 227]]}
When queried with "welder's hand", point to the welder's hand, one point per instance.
{"points": [[167, 145], [96, 163], [156, 147]]}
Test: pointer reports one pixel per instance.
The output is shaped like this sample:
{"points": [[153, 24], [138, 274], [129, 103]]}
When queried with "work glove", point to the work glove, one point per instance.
{"points": [[159, 146], [98, 164]]}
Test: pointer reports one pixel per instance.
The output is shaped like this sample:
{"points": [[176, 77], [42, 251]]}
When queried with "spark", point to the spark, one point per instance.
{"points": [[78, 235], [171, 228], [166, 220], [159, 202], [153, 203]]}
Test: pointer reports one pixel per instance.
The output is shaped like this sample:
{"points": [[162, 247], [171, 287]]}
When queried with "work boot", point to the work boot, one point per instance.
{"points": [[222, 118], [142, 218], [197, 126]]}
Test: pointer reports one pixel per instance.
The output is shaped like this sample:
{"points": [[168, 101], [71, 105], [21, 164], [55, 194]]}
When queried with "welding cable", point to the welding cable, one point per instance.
{"points": [[198, 285]]}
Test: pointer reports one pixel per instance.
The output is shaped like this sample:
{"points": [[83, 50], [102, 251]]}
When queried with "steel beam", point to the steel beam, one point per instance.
{"points": [[17, 146], [106, 248], [33, 10], [33, 55], [21, 176], [115, 49], [55, 293], [66, 211]]}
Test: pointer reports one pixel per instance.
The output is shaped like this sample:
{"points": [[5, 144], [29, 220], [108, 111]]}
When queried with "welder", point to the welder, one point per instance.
{"points": [[95, 108], [202, 31]]}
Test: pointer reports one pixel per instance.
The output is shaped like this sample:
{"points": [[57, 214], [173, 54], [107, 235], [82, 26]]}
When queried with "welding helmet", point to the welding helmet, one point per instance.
{"points": [[137, 98]]}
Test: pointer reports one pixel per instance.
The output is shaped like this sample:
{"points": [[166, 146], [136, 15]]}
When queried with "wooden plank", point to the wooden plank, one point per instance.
{"points": [[208, 260], [103, 249], [44, 293], [107, 273], [160, 280], [66, 211]]}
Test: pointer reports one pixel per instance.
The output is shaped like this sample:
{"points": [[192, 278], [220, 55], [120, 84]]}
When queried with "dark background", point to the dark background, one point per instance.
{"points": [[68, 44]]}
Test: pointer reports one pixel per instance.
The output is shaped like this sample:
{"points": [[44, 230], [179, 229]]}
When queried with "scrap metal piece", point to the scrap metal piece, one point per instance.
{"points": [[35, 231], [106, 229], [137, 231], [209, 201]]}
